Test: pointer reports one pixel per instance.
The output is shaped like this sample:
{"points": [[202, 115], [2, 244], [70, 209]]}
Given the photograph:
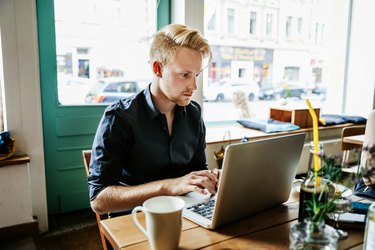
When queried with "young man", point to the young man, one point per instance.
{"points": [[153, 143]]}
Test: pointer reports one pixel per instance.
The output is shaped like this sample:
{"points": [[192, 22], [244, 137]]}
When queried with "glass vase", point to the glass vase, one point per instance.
{"points": [[311, 185], [310, 235]]}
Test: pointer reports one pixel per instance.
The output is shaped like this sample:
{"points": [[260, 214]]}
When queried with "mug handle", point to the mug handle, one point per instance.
{"points": [[136, 222]]}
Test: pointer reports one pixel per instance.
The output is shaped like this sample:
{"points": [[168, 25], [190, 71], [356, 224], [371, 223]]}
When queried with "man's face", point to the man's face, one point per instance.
{"points": [[179, 78]]}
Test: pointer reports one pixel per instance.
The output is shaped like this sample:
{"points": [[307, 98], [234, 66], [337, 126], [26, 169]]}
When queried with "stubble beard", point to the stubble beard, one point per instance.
{"points": [[182, 101]]}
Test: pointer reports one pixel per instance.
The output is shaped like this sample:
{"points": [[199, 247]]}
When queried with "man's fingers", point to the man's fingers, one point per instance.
{"points": [[216, 172], [204, 183], [200, 181], [212, 174], [199, 190]]}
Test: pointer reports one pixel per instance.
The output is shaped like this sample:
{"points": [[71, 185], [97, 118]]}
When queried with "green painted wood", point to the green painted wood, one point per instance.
{"points": [[73, 125], [163, 13], [67, 130], [73, 201]]}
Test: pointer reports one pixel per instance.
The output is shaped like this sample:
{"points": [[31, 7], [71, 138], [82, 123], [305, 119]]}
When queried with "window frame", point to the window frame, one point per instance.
{"points": [[341, 48]]}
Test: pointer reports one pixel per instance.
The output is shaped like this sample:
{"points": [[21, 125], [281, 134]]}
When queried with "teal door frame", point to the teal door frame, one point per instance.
{"points": [[67, 130]]}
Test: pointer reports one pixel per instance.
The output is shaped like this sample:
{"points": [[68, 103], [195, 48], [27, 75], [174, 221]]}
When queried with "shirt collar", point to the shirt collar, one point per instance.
{"points": [[153, 111], [180, 111]]}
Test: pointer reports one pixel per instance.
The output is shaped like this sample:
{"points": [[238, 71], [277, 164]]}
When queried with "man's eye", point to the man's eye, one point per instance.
{"points": [[184, 75]]}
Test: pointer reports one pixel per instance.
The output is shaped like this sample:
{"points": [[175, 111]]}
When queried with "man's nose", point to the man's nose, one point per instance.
{"points": [[193, 83]]}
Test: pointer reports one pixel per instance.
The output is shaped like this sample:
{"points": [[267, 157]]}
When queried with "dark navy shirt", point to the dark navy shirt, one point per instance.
{"points": [[132, 145]]}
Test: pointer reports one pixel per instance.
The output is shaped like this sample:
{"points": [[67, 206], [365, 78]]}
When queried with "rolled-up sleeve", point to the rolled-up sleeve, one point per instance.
{"points": [[107, 154]]}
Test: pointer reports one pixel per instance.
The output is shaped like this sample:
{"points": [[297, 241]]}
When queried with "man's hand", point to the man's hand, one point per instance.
{"points": [[198, 181], [120, 198]]}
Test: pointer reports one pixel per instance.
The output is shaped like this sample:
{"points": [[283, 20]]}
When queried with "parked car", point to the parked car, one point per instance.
{"points": [[72, 90], [270, 93], [294, 90], [224, 89], [320, 91], [109, 90], [283, 90]]}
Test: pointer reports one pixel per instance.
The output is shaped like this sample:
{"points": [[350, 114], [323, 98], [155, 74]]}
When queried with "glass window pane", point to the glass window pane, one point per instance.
{"points": [[101, 40], [230, 20], [299, 26], [253, 22], [288, 27], [286, 61], [212, 19], [269, 25]]}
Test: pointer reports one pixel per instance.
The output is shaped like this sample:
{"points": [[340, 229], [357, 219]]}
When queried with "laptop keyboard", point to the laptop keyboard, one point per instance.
{"points": [[204, 209]]}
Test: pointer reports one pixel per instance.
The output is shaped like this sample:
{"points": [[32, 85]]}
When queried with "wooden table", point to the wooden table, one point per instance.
{"points": [[266, 230], [354, 139]]}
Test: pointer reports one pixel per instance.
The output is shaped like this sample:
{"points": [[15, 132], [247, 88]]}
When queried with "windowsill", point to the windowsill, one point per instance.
{"points": [[15, 160], [215, 133]]}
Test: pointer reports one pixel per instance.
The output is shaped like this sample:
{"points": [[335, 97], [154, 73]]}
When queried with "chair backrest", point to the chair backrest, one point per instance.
{"points": [[349, 131], [370, 130], [369, 139], [86, 160], [86, 154]]}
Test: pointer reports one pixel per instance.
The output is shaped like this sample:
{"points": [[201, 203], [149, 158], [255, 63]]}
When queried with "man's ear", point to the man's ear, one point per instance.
{"points": [[156, 67]]}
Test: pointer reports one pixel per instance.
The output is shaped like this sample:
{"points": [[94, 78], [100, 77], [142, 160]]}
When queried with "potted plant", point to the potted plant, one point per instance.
{"points": [[312, 230]]}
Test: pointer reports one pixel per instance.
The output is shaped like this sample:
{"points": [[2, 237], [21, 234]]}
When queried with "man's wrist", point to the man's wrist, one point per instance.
{"points": [[164, 187]]}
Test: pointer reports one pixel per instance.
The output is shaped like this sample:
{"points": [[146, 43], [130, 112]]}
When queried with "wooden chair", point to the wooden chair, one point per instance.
{"points": [[86, 160], [347, 147], [369, 139], [370, 130]]}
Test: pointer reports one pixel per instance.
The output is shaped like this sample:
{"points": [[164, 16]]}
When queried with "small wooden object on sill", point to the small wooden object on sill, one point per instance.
{"points": [[15, 160], [297, 116]]}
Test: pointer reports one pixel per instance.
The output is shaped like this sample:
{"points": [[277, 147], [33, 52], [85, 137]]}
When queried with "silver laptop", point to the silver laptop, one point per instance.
{"points": [[255, 176]]}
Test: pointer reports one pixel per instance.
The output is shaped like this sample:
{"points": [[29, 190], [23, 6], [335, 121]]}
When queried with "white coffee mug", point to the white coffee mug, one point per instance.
{"points": [[163, 221]]}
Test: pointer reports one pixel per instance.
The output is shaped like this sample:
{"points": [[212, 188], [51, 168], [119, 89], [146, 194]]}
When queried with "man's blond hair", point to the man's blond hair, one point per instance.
{"points": [[163, 47]]}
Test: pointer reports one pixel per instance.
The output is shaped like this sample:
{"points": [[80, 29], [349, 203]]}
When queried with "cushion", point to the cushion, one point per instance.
{"points": [[268, 125]]}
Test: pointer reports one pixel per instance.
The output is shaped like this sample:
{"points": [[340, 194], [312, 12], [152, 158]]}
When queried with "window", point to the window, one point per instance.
{"points": [[230, 20], [321, 33], [84, 68], [212, 21], [269, 25], [316, 37], [253, 23], [111, 38], [299, 26], [291, 73], [288, 27], [64, 63], [241, 73], [115, 11], [296, 56], [317, 75]]}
